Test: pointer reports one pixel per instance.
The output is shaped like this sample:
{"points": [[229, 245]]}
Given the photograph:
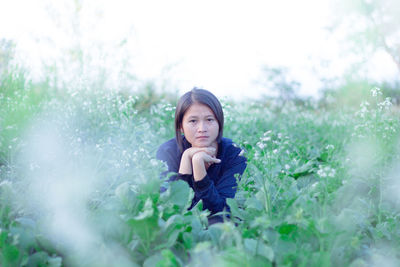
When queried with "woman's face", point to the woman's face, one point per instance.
{"points": [[200, 126]]}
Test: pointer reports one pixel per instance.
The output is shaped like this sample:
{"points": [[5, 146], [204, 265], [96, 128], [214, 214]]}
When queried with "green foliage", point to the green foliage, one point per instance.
{"points": [[354, 91], [320, 188]]}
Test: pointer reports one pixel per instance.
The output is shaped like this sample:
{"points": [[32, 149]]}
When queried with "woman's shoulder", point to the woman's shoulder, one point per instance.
{"points": [[228, 143], [169, 147], [230, 148], [170, 143]]}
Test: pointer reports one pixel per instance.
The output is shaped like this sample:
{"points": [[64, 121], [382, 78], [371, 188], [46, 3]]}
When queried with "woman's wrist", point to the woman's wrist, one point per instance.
{"points": [[185, 166], [199, 169], [195, 156]]}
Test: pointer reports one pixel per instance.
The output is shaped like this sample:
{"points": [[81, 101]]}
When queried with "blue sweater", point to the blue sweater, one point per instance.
{"points": [[219, 183]]}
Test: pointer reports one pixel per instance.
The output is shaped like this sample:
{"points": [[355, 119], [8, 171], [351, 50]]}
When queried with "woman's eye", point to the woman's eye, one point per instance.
{"points": [[192, 121], [210, 119]]}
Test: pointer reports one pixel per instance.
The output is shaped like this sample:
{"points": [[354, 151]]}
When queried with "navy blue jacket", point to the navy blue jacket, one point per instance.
{"points": [[219, 183]]}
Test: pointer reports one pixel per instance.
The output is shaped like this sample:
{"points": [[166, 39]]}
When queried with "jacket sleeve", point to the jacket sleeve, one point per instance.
{"points": [[165, 154], [214, 195], [168, 154]]}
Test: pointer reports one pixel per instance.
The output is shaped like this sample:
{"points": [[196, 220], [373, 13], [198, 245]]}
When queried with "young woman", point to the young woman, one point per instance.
{"points": [[199, 154]]}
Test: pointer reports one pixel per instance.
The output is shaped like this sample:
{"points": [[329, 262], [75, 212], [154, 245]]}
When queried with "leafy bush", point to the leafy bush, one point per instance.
{"points": [[80, 185]]}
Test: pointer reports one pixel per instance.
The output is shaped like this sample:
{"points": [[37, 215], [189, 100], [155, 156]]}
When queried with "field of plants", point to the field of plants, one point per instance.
{"points": [[80, 185]]}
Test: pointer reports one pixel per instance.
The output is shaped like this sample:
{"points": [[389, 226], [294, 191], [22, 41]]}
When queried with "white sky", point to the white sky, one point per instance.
{"points": [[218, 45]]}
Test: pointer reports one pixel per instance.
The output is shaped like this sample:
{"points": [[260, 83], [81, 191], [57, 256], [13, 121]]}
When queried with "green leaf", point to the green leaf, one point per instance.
{"points": [[175, 221], [202, 246], [26, 222], [234, 208], [265, 251], [287, 229], [255, 247], [124, 192], [10, 254], [187, 240], [153, 260], [251, 246], [3, 238], [147, 211], [165, 258], [321, 259], [54, 262], [38, 259], [197, 227], [146, 229], [214, 232], [359, 263], [179, 192], [171, 240], [169, 259], [253, 203], [26, 236], [303, 169]]}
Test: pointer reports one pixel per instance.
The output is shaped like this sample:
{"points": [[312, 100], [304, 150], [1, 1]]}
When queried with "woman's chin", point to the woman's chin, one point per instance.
{"points": [[200, 146], [203, 144]]}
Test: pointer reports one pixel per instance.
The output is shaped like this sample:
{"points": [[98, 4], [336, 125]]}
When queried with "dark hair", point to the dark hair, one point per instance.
{"points": [[201, 96]]}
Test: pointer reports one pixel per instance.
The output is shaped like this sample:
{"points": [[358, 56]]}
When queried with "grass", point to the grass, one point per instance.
{"points": [[80, 186]]}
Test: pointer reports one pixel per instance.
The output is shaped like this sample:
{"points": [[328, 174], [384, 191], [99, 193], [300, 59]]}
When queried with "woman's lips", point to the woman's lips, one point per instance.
{"points": [[202, 137]]}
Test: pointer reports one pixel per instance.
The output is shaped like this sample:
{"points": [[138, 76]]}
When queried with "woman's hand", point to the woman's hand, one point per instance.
{"points": [[193, 150], [185, 166], [200, 162]]}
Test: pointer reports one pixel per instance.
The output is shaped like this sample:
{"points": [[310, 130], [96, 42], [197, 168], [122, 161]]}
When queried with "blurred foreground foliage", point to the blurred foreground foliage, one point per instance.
{"points": [[79, 185]]}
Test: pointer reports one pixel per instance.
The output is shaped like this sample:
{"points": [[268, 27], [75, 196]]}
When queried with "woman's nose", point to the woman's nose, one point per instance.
{"points": [[202, 127]]}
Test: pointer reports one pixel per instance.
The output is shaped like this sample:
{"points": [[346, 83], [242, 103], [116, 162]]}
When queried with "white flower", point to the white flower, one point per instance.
{"points": [[385, 104], [267, 133], [326, 171], [5, 182], [330, 147], [376, 91], [321, 173], [261, 145]]}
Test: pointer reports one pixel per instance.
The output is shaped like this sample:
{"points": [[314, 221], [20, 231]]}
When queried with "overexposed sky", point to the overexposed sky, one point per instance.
{"points": [[219, 45]]}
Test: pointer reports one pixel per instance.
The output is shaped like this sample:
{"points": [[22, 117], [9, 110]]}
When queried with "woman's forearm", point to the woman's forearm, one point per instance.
{"points": [[199, 170], [185, 166]]}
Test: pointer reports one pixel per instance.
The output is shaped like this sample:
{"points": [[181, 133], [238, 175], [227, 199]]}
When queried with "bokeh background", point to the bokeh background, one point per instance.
{"points": [[229, 47]]}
